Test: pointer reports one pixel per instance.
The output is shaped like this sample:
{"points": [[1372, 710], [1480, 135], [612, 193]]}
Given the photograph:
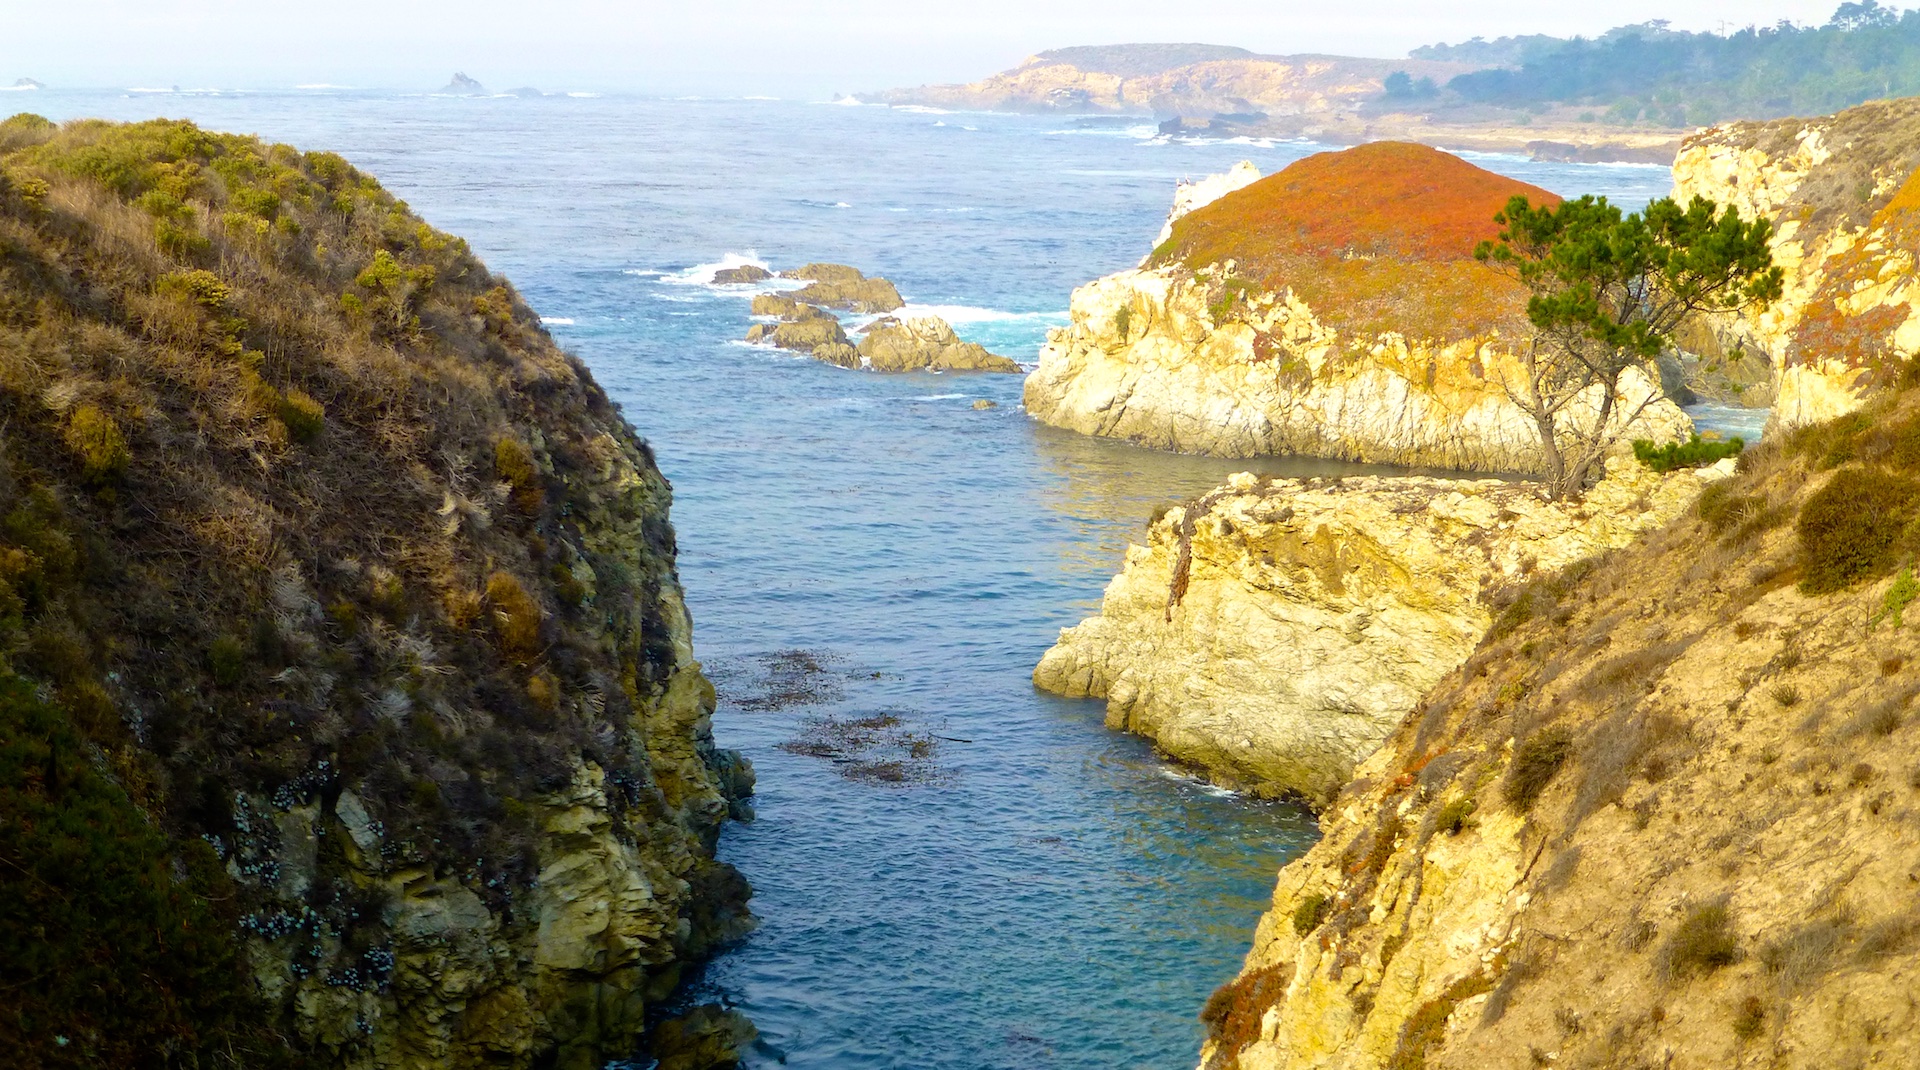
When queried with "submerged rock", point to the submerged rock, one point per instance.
{"points": [[985, 403], [709, 1037], [1273, 632], [925, 342]]}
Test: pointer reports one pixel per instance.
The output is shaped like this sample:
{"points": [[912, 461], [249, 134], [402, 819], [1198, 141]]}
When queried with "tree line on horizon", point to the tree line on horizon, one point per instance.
{"points": [[1651, 73]]}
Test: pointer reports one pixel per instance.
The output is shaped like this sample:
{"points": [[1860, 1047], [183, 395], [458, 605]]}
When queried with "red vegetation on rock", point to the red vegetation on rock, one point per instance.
{"points": [[1376, 237]]}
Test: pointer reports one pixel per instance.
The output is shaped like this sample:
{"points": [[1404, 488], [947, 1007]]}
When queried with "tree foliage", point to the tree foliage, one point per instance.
{"points": [[1606, 293], [1653, 73]]}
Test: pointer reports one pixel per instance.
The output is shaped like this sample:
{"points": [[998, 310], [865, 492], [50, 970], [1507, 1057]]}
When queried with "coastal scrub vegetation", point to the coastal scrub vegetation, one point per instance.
{"points": [[296, 499], [1696, 452], [1606, 292], [1375, 238]]}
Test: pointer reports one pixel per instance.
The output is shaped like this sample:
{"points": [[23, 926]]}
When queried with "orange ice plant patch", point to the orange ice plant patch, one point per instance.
{"points": [[1375, 238]]}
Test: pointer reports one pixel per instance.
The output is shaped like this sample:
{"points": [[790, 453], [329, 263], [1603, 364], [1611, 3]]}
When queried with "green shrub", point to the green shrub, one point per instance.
{"points": [[227, 657], [1696, 452], [1899, 595], [1534, 764], [96, 439], [1455, 817], [110, 951], [202, 288], [303, 416], [1702, 943], [1721, 508], [515, 463], [1851, 529], [1309, 914]]}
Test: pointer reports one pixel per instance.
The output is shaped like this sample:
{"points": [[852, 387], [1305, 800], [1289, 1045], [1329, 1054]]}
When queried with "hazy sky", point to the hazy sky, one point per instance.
{"points": [[741, 46]]}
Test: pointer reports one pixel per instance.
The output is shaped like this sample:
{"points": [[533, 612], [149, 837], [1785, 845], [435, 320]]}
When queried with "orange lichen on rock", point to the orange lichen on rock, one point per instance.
{"points": [[1837, 324], [1375, 238]]}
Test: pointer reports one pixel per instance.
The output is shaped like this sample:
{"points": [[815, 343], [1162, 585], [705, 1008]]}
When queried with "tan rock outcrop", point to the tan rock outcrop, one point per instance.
{"points": [[924, 343], [1839, 192], [1273, 632], [845, 288], [1195, 362], [1664, 816]]}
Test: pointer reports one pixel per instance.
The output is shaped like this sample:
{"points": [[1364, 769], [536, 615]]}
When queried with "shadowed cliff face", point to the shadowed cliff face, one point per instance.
{"points": [[1664, 816], [1840, 193], [363, 594]]}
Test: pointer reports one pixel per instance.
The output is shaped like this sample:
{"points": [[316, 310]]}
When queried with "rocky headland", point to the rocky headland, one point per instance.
{"points": [[1273, 632], [1221, 91], [802, 323], [1332, 309], [1664, 815], [1846, 211], [348, 709]]}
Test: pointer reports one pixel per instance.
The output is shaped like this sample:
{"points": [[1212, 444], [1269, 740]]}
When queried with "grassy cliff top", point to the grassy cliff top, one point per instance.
{"points": [[296, 499], [1376, 237]]}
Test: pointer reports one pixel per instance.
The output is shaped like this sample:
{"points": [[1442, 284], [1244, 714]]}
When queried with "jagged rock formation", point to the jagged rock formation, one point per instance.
{"points": [[1841, 194], [888, 344], [1664, 816], [1332, 309], [1273, 632], [320, 560], [462, 86], [845, 288], [745, 274], [927, 343], [1188, 196]]}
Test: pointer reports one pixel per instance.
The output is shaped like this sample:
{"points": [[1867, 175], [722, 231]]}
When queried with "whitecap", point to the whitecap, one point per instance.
{"points": [[939, 122], [702, 274], [841, 204], [555, 321], [957, 314], [975, 129], [583, 96], [920, 109], [675, 298], [17, 88]]}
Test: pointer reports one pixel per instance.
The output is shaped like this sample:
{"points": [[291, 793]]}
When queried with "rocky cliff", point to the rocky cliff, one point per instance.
{"points": [[348, 705], [1274, 632], [1332, 309], [1841, 194], [1664, 816], [1174, 80]]}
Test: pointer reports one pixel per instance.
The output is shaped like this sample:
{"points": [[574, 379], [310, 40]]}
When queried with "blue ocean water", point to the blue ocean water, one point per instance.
{"points": [[873, 564]]}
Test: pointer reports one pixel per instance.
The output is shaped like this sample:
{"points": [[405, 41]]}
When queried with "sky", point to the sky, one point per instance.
{"points": [[803, 47]]}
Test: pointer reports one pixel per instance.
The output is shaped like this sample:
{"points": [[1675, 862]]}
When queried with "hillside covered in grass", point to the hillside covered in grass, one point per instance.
{"points": [[1378, 237], [345, 680], [1668, 814]]}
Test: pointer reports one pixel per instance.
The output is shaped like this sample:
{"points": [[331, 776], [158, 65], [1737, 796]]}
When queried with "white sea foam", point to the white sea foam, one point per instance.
{"points": [[17, 88], [583, 96], [936, 397], [555, 321], [939, 122], [759, 98], [958, 314], [920, 109], [702, 274], [1181, 777], [677, 299]]}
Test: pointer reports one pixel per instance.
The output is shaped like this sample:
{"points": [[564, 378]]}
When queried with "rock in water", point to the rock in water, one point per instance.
{"points": [[1272, 633], [925, 342], [804, 335], [1845, 203], [463, 86], [845, 288], [1332, 310], [745, 273], [709, 1037], [985, 403]]}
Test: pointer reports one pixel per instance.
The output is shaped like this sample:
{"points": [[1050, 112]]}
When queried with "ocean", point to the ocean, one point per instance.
{"points": [[953, 871]]}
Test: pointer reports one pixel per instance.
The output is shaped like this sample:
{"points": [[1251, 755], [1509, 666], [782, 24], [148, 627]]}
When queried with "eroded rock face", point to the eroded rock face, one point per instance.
{"points": [[1665, 819], [845, 288], [925, 343], [1273, 632], [1838, 190], [1190, 361], [1188, 196]]}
